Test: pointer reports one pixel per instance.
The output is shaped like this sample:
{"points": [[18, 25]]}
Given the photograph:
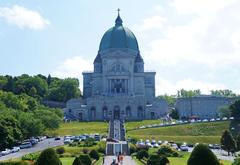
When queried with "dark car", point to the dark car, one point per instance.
{"points": [[57, 138]]}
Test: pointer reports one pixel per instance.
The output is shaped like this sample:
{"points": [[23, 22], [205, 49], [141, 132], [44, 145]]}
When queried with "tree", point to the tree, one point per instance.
{"points": [[164, 161], [47, 157], [142, 154], [153, 160], [235, 110], [224, 93], [236, 161], [238, 142], [94, 154], [85, 159], [77, 161], [10, 131], [227, 142], [224, 111], [171, 99], [49, 80], [174, 114], [190, 93], [202, 155]]}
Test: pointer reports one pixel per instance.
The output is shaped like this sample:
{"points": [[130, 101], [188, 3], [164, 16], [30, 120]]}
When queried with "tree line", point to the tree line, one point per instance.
{"points": [[171, 99], [41, 87]]}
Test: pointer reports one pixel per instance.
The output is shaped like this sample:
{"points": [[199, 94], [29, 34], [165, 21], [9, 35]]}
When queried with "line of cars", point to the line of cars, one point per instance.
{"points": [[25, 144], [178, 122], [69, 139], [156, 144]]}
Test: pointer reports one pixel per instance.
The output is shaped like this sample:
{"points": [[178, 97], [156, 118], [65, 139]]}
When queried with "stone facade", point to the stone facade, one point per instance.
{"points": [[118, 87], [203, 107]]}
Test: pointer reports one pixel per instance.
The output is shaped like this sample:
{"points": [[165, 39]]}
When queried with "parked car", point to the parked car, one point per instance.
{"points": [[224, 118], [57, 138], [205, 120], [25, 145], [175, 146], [183, 148], [212, 120], [231, 118], [218, 119], [67, 140], [97, 137], [159, 142], [33, 141], [6, 152], [155, 145], [15, 149]]}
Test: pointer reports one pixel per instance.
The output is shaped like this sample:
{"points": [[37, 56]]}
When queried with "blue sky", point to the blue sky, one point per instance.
{"points": [[190, 44]]}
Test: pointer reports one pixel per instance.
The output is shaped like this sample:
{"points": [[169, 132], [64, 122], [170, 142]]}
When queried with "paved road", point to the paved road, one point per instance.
{"points": [[38, 147], [127, 160]]}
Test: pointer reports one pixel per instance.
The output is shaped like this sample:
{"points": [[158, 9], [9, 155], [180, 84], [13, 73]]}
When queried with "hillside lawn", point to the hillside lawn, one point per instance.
{"points": [[191, 133]]}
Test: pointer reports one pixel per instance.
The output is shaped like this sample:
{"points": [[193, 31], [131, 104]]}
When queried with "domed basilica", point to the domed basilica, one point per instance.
{"points": [[118, 88]]}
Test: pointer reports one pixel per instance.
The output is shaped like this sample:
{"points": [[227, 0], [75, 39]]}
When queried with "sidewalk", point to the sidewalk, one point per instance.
{"points": [[126, 161]]}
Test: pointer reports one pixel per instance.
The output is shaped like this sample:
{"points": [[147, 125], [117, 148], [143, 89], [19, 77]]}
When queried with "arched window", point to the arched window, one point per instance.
{"points": [[105, 112], [128, 111], [140, 112], [93, 112]]}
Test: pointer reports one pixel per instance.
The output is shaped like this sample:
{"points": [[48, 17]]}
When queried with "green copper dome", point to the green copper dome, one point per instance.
{"points": [[118, 37]]}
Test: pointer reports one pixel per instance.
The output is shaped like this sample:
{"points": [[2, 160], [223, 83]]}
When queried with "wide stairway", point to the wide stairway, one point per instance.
{"points": [[117, 143]]}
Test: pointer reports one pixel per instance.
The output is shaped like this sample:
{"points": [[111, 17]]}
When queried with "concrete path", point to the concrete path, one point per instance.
{"points": [[127, 160]]}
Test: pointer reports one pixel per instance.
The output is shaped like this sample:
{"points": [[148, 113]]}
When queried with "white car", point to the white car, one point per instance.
{"points": [[231, 118], [149, 144], [205, 120], [212, 120], [153, 142], [159, 142], [218, 119], [6, 151], [224, 118], [67, 141], [15, 149], [155, 145], [147, 141], [183, 148]]}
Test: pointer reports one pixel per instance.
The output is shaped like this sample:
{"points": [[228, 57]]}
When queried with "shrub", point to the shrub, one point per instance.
{"points": [[85, 159], [236, 161], [13, 163], [167, 151], [153, 160], [142, 154], [133, 149], [85, 150], [60, 150], [139, 148], [101, 147], [163, 160], [48, 157], [77, 161], [202, 154], [94, 155], [31, 156], [89, 142]]}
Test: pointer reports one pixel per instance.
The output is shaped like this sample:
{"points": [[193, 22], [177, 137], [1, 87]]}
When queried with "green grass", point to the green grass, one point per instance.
{"points": [[136, 124], [190, 133], [76, 128], [67, 160]]}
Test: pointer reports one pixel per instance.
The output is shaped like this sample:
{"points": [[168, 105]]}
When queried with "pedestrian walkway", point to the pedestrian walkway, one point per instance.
{"points": [[127, 160]]}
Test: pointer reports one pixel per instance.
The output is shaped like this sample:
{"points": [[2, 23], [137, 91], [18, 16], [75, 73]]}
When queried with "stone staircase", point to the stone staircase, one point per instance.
{"points": [[116, 139]]}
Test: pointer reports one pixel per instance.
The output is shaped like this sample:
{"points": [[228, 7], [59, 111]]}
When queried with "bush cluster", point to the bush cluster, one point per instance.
{"points": [[31, 156], [167, 151]]}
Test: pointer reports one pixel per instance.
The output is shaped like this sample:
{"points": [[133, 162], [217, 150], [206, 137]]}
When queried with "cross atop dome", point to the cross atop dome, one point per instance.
{"points": [[118, 21]]}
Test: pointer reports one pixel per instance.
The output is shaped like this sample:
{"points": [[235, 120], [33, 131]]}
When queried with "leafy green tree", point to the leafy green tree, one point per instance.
{"points": [[236, 161], [10, 131], [188, 93], [142, 154], [49, 119], [235, 110], [224, 93], [238, 142], [49, 80], [48, 157], [171, 99], [77, 161], [174, 114], [227, 142], [202, 155], [224, 111], [3, 82], [85, 159], [164, 161], [31, 126], [153, 160], [94, 154]]}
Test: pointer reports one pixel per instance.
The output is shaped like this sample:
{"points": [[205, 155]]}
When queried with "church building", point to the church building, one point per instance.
{"points": [[119, 87]]}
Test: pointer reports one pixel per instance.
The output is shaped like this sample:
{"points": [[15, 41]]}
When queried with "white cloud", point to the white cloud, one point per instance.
{"points": [[153, 22], [23, 18], [164, 86], [73, 67], [204, 33]]}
